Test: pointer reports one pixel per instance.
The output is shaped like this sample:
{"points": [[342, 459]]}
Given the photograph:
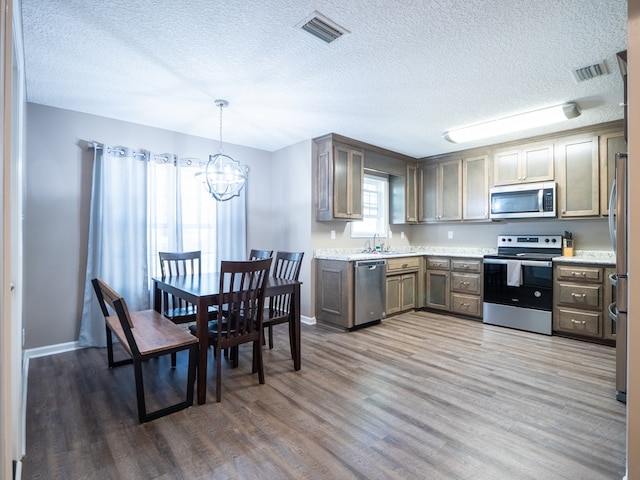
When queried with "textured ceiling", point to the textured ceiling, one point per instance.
{"points": [[408, 71]]}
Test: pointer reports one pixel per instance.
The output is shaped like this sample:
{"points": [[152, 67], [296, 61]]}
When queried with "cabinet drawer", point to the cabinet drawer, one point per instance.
{"points": [[591, 274], [466, 265], [440, 263], [580, 296], [466, 304], [465, 282], [404, 264], [585, 323]]}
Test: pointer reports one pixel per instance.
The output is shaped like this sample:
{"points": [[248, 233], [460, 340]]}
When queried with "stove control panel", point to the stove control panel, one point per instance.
{"points": [[530, 241]]}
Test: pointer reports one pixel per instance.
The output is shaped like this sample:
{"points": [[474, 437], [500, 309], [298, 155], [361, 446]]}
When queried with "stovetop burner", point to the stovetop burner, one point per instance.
{"points": [[529, 247]]}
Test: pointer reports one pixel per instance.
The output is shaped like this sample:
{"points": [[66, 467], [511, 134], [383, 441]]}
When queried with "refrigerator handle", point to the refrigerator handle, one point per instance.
{"points": [[612, 215]]}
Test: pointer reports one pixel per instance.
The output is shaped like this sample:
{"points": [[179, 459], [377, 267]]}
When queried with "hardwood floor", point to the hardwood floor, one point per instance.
{"points": [[419, 396]]}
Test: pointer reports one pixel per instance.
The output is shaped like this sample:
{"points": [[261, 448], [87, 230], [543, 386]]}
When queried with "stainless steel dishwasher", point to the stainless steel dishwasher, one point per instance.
{"points": [[370, 291]]}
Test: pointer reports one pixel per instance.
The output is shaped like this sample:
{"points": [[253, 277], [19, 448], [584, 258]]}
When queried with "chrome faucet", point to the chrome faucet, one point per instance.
{"points": [[367, 246], [374, 241]]}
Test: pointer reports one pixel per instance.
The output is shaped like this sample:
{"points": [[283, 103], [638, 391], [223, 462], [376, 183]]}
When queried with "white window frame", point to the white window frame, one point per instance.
{"points": [[373, 224]]}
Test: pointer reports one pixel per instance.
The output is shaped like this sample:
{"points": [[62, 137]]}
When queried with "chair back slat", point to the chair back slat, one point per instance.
{"points": [[241, 299]]}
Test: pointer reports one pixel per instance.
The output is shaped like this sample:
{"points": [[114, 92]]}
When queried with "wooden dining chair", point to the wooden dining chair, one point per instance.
{"points": [[144, 334], [287, 265], [175, 264], [260, 254], [240, 307]]}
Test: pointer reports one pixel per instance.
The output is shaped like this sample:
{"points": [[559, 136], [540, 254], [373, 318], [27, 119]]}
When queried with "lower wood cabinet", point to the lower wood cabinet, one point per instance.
{"points": [[402, 281], [334, 293], [454, 284], [581, 297]]}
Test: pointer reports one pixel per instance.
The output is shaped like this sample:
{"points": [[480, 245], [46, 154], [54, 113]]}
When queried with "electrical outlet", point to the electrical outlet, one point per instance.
{"points": [[390, 234], [450, 235], [401, 234], [333, 234], [23, 336]]}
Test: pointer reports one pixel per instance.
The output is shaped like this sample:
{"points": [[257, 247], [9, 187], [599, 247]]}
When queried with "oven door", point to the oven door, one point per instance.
{"points": [[535, 290]]}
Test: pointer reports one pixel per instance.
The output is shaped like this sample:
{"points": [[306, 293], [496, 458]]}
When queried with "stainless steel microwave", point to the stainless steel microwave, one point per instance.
{"points": [[525, 200]]}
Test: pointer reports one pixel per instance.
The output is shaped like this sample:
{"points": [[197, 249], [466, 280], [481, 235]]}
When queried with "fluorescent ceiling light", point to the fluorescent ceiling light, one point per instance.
{"points": [[515, 123]]}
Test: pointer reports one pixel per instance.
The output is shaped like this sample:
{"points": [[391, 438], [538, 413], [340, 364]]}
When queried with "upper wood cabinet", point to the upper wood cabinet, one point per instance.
{"points": [[529, 163], [403, 201], [411, 194], [440, 191], [610, 144], [578, 182], [340, 180], [475, 188]]}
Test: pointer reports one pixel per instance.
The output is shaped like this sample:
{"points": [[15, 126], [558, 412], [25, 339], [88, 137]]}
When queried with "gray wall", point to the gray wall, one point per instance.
{"points": [[591, 234], [57, 194]]}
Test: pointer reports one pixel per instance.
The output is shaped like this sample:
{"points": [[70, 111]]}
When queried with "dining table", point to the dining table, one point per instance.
{"points": [[202, 291]]}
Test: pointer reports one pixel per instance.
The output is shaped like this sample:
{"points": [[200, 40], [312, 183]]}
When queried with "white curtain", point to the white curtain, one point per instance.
{"points": [[143, 203]]}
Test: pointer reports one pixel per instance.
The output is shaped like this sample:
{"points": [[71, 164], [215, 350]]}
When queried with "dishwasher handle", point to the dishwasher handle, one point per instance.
{"points": [[370, 264]]}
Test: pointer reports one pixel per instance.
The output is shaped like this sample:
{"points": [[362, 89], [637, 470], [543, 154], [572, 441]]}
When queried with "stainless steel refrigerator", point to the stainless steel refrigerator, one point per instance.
{"points": [[618, 309]]}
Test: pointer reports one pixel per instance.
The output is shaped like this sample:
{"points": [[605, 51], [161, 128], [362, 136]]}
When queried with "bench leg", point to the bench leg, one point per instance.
{"points": [[142, 409]]}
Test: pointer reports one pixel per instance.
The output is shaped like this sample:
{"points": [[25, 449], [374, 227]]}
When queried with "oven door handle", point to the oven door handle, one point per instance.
{"points": [[524, 263]]}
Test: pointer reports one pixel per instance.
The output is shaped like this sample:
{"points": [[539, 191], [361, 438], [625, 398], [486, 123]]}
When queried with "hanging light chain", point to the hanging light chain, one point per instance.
{"points": [[221, 104]]}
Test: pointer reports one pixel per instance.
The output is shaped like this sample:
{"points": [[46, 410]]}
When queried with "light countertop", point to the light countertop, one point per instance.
{"points": [[596, 257], [349, 255]]}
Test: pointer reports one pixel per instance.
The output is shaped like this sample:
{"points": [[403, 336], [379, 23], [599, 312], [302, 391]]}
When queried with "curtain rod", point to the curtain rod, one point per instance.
{"points": [[120, 150]]}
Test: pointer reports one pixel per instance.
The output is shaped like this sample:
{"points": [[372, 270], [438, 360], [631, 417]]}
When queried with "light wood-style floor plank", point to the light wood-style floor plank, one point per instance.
{"points": [[418, 396]]}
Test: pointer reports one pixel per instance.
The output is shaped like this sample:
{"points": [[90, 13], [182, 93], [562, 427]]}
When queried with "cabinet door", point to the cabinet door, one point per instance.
{"points": [[408, 291], [579, 183], [537, 163], [609, 145], [356, 183], [334, 292], [394, 294], [428, 193], [437, 294], [348, 179], [475, 189], [450, 191], [411, 198], [507, 167]]}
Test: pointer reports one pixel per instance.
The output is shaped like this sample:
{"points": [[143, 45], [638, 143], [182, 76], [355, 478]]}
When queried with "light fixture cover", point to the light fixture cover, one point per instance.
{"points": [[224, 177], [515, 123]]}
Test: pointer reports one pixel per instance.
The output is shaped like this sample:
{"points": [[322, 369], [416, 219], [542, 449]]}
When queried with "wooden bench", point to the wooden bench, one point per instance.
{"points": [[144, 334]]}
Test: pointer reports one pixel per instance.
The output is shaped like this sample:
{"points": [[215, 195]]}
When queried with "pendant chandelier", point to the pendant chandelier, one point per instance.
{"points": [[224, 176]]}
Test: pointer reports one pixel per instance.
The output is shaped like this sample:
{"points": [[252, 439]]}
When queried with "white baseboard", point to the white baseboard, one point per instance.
{"points": [[51, 350], [307, 320]]}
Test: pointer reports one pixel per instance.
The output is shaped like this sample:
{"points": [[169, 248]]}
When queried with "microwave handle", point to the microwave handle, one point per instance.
{"points": [[540, 196]]}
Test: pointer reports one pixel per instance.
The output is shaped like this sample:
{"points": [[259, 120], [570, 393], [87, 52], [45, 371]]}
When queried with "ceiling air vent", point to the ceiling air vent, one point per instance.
{"points": [[592, 71], [321, 27]]}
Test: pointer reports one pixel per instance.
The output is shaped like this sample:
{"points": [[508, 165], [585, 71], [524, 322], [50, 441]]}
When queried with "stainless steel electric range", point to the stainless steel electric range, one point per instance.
{"points": [[518, 282]]}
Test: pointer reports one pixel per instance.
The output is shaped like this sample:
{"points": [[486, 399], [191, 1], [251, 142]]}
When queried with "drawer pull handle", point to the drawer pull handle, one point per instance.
{"points": [[464, 284], [466, 265], [405, 265], [578, 322], [579, 274], [462, 304], [578, 295]]}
